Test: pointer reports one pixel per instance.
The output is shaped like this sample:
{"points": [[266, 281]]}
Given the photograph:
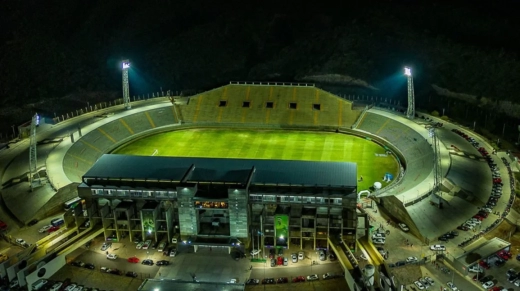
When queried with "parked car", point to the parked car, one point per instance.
{"points": [[253, 282], [412, 260], [322, 255], [147, 262], [269, 281], [488, 284], [89, 266], [53, 229], [44, 228], [298, 279], [403, 227], [282, 280], [131, 274], [378, 241], [146, 244], [133, 260], [313, 277], [162, 263], [273, 262], [329, 276], [419, 285], [173, 252], [285, 261], [105, 246], [437, 248], [111, 256], [294, 257], [452, 286], [139, 245], [301, 256]]}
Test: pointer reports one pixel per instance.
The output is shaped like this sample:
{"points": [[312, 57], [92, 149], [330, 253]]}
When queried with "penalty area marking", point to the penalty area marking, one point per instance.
{"points": [[155, 152]]}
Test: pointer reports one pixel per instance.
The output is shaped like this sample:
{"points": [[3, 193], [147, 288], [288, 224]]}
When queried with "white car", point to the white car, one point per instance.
{"points": [[476, 221], [379, 241], [419, 285], [20, 241], [437, 248], [488, 210], [71, 287], [429, 280], [111, 256], [44, 229], [488, 285], [412, 260], [146, 244], [471, 222], [452, 286], [139, 245], [403, 227], [56, 286], [301, 255], [469, 226], [475, 269], [313, 277], [378, 235]]}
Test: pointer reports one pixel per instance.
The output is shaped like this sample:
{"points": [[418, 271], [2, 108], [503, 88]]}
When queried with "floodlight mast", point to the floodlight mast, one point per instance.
{"points": [[126, 87], [410, 113]]}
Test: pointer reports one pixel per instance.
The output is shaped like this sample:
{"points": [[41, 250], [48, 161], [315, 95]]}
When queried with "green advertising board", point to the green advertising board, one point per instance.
{"points": [[281, 229]]}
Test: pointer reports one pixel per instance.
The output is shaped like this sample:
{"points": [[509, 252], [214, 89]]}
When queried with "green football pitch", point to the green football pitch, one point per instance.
{"points": [[270, 144]]}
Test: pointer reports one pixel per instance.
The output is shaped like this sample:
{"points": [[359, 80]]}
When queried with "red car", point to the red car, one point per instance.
{"points": [[504, 255], [133, 260], [483, 214], [479, 217], [53, 229], [3, 225], [298, 279], [279, 261], [484, 265]]}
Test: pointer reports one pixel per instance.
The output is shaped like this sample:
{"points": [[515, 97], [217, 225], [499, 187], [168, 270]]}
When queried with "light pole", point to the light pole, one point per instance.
{"points": [[126, 86], [410, 113], [14, 133]]}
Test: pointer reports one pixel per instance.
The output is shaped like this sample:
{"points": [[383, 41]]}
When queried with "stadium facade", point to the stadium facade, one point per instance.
{"points": [[212, 201]]}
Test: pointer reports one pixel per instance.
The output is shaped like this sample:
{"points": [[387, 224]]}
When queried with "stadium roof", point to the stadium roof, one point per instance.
{"points": [[219, 170]]}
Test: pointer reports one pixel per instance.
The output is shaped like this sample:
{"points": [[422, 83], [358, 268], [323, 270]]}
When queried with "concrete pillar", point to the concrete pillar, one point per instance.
{"points": [[79, 131], [72, 137], [229, 250], [195, 248]]}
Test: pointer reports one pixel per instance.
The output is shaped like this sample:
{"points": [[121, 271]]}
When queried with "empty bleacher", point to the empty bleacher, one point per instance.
{"points": [[415, 148], [262, 104], [85, 151]]}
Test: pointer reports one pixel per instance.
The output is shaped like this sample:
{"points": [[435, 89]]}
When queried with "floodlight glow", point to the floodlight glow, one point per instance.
{"points": [[126, 65], [407, 71]]}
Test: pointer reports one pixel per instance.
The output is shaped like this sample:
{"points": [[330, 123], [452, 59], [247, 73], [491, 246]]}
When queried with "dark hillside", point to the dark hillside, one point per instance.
{"points": [[59, 49]]}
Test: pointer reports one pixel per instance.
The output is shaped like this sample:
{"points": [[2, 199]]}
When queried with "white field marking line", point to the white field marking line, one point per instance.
{"points": [[155, 152]]}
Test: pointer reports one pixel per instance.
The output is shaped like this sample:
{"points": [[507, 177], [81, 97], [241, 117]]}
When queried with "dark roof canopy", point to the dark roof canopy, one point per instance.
{"points": [[218, 170]]}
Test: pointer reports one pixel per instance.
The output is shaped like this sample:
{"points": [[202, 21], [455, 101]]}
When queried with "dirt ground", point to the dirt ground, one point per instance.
{"points": [[407, 274]]}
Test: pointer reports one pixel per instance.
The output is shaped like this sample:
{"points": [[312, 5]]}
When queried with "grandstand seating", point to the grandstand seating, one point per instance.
{"points": [[416, 150], [333, 111], [84, 152]]}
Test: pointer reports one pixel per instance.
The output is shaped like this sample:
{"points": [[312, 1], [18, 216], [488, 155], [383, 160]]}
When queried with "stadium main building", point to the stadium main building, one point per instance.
{"points": [[221, 201]]}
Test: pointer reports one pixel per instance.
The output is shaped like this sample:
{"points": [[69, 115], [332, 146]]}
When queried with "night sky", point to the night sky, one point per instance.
{"points": [[56, 55]]}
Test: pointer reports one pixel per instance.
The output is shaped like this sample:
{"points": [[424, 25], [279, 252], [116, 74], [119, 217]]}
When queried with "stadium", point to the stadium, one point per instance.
{"points": [[243, 166], [249, 124]]}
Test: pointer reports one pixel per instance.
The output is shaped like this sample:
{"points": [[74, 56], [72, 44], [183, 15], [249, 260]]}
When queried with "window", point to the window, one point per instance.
{"points": [[293, 105], [222, 103], [269, 104], [246, 104], [316, 106]]}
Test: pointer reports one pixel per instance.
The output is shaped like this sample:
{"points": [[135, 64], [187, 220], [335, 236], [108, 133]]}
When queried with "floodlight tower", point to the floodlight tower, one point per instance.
{"points": [[34, 176], [126, 87], [410, 113]]}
